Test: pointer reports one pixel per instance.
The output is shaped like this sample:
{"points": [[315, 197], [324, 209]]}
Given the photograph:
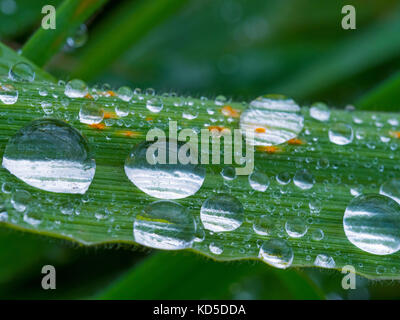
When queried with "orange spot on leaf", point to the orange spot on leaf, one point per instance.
{"points": [[296, 142], [269, 149], [110, 115], [395, 134], [260, 130], [98, 126], [88, 96], [149, 119], [228, 111], [129, 134]]}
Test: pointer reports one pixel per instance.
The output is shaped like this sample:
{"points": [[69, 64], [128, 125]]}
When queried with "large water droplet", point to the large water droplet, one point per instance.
{"points": [[21, 71], [277, 253], [50, 155], [391, 189], [372, 223], [8, 94], [164, 225], [163, 180], [341, 134], [273, 119], [221, 213], [154, 104]]}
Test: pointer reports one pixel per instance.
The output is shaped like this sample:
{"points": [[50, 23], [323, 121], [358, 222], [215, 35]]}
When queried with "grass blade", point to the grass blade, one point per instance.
{"points": [[121, 31], [44, 44]]}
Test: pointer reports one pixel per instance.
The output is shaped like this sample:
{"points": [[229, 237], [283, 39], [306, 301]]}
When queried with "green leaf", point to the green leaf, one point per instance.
{"points": [[185, 276], [365, 49], [9, 58], [122, 30], [386, 96], [105, 214], [45, 43]]}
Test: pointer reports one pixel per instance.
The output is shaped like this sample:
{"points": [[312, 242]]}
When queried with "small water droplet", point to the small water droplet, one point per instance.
{"points": [[164, 225], [259, 181], [222, 213], [263, 225], [20, 200], [277, 253], [317, 235], [21, 71], [215, 249], [296, 227], [8, 94], [125, 93], [324, 261], [304, 179], [320, 111], [341, 134], [154, 105], [90, 113], [76, 89]]}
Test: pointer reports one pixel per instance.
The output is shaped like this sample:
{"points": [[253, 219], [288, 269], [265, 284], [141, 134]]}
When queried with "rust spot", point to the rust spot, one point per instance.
{"points": [[260, 130], [228, 111], [88, 96], [269, 149], [296, 142], [110, 115], [111, 93], [218, 128], [395, 134], [149, 119], [98, 126], [129, 134]]}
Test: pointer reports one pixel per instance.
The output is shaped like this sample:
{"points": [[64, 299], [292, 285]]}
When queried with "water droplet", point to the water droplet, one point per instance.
{"points": [[372, 223], [20, 200], [296, 227], [273, 119], [50, 155], [317, 235], [259, 181], [163, 180], [164, 225], [277, 253], [324, 261], [21, 71], [221, 213], [391, 189], [215, 249], [304, 179], [90, 113], [78, 39], [76, 89], [320, 111], [154, 105], [8, 94], [283, 178], [263, 225], [228, 173], [125, 93], [341, 134]]}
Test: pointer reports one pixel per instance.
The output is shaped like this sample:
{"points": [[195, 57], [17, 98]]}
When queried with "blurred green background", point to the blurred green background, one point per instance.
{"points": [[237, 48]]}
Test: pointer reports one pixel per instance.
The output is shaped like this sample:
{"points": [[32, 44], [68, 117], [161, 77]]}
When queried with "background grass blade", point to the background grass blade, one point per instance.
{"points": [[8, 58], [365, 49], [132, 21], [384, 97], [44, 44], [176, 274]]}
